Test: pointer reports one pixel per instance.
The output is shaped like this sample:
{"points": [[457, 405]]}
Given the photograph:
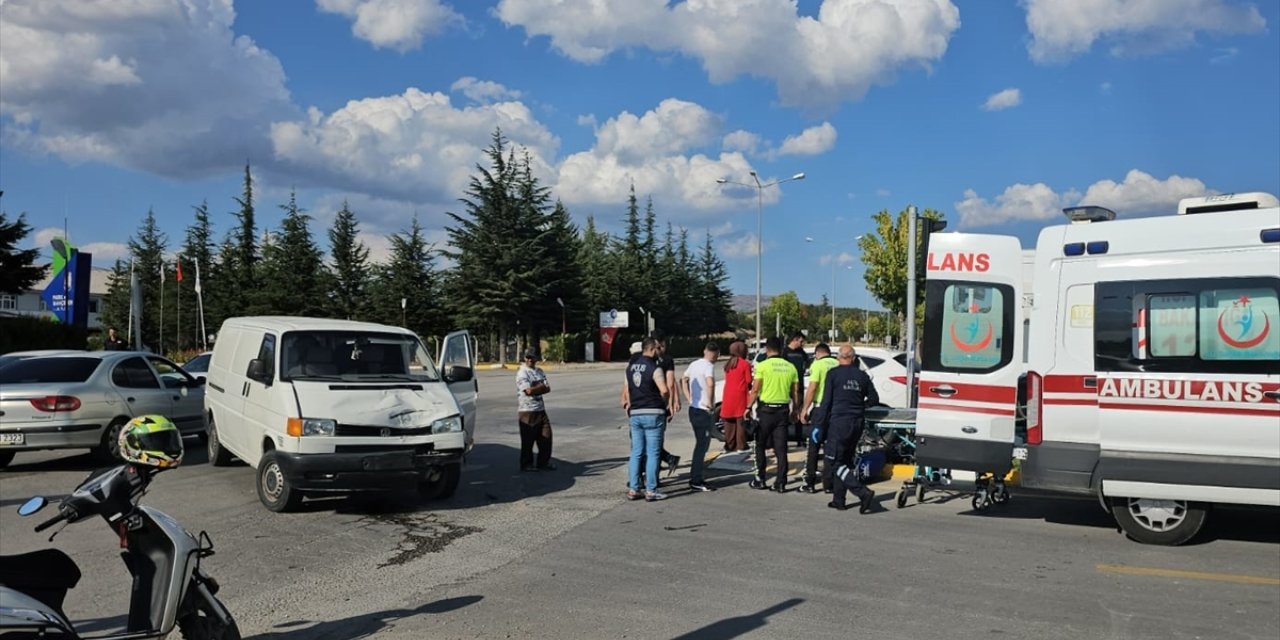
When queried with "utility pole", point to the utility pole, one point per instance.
{"points": [[910, 343]]}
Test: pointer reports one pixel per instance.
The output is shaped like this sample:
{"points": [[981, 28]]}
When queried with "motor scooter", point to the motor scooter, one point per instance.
{"points": [[169, 587]]}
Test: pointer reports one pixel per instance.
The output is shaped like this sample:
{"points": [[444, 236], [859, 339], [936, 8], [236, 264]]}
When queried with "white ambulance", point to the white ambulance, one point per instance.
{"points": [[1152, 359]]}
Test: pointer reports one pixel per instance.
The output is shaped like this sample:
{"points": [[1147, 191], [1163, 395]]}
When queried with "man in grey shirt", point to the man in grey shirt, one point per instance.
{"points": [[535, 427]]}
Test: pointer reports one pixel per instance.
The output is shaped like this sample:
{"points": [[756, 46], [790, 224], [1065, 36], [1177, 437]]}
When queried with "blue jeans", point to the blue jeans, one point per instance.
{"points": [[646, 442], [702, 422]]}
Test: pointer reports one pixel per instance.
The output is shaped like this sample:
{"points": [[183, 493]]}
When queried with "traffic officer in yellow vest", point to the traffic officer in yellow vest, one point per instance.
{"points": [[823, 362], [776, 386]]}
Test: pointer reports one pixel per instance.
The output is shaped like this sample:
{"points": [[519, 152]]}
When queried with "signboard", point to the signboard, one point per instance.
{"points": [[67, 295], [614, 319]]}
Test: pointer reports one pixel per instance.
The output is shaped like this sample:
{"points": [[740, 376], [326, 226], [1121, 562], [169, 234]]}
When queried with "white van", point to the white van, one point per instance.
{"points": [[1152, 359], [318, 405]]}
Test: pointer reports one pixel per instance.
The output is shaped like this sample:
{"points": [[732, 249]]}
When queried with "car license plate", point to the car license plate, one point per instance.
{"points": [[12, 439]]}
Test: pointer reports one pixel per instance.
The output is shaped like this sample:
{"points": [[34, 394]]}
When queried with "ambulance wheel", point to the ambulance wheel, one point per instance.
{"points": [[901, 498], [920, 492], [1160, 522]]}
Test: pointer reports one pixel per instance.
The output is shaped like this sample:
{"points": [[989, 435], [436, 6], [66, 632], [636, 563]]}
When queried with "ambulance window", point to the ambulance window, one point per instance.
{"points": [[975, 328], [1171, 326], [1236, 324]]}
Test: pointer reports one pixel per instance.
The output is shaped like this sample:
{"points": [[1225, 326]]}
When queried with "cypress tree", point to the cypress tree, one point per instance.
{"points": [[350, 267]]}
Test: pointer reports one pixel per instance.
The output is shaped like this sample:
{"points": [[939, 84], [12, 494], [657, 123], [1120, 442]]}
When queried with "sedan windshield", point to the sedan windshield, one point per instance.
{"points": [[349, 355], [48, 370]]}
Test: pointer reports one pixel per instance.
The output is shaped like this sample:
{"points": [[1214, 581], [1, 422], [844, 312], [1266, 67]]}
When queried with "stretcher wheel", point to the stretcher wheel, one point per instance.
{"points": [[901, 498], [920, 492], [1001, 495]]}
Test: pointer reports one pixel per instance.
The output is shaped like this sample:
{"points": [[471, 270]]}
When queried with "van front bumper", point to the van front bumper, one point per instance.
{"points": [[373, 471]]}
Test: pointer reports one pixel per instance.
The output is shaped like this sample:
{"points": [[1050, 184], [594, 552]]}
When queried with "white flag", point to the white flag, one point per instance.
{"points": [[162, 272], [197, 287]]}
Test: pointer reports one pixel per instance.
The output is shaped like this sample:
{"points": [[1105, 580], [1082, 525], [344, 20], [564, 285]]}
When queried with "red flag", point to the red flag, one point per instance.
{"points": [[179, 264]]}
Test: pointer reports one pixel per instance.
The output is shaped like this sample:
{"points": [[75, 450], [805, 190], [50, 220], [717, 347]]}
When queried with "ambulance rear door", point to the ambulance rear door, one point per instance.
{"points": [[971, 353]]}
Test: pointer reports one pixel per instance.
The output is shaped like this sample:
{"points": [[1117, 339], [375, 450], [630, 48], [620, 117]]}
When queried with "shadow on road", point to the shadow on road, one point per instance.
{"points": [[739, 626], [361, 626]]}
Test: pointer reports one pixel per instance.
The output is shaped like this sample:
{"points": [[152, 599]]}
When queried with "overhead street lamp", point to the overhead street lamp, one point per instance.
{"points": [[759, 187]]}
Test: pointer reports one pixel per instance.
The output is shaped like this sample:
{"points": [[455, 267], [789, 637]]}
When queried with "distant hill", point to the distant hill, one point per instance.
{"points": [[742, 303]]}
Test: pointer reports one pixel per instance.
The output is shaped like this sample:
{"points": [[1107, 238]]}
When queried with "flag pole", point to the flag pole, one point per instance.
{"points": [[128, 332], [162, 305], [177, 332], [204, 335]]}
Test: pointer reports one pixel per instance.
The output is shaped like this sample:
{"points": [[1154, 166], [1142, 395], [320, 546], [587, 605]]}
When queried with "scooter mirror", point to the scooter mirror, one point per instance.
{"points": [[31, 506]]}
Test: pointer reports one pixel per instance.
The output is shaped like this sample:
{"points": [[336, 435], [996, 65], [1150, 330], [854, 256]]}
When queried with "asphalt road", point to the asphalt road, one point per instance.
{"points": [[562, 555]]}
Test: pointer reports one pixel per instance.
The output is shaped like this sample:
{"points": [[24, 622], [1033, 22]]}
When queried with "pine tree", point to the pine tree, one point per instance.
{"points": [[596, 260], [18, 269], [114, 311], [409, 275], [242, 263], [350, 267], [561, 245], [148, 247], [714, 296], [294, 279]]}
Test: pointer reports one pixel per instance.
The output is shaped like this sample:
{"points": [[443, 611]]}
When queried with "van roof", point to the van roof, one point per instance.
{"points": [[294, 323]]}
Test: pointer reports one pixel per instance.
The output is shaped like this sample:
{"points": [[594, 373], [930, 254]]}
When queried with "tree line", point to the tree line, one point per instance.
{"points": [[521, 269]]}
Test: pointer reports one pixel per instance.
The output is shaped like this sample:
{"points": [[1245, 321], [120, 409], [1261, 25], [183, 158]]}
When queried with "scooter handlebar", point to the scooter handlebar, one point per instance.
{"points": [[62, 515]]}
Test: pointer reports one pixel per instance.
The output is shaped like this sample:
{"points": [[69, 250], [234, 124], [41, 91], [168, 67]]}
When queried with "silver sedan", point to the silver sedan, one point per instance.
{"points": [[79, 400]]}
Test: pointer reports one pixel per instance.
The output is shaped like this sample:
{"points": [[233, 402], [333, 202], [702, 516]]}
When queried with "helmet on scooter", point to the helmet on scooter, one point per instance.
{"points": [[151, 440]]}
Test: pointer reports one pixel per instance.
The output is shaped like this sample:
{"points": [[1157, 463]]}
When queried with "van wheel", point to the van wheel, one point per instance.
{"points": [[109, 449], [274, 490], [1162, 522], [441, 483], [5, 458], [218, 456]]}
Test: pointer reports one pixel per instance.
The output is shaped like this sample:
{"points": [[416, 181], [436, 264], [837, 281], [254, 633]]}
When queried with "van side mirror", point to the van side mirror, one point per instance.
{"points": [[458, 373], [259, 370]]}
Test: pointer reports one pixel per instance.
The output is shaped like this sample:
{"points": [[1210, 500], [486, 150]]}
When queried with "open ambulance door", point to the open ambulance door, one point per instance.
{"points": [[457, 354], [971, 353]]}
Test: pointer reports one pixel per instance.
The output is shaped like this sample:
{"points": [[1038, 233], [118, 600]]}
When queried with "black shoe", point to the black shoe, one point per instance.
{"points": [[869, 504], [758, 484], [837, 507], [550, 466], [701, 486], [779, 488], [528, 469], [808, 488], [672, 464]]}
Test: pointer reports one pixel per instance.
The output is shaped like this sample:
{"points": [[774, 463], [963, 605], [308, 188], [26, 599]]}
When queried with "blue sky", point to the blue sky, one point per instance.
{"points": [[996, 113]]}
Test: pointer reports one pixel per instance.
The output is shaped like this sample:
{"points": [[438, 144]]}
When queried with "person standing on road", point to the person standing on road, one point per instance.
{"points": [[777, 386], [737, 385], [848, 393], [699, 384], [668, 366], [535, 426], [795, 354], [823, 362], [113, 342], [646, 403]]}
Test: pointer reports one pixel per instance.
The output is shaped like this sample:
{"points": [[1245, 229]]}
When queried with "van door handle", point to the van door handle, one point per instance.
{"points": [[969, 429], [944, 391], [178, 398], [129, 399], [1274, 395], [1091, 382]]}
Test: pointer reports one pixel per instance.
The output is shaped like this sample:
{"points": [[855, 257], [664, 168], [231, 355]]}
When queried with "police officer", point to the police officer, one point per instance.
{"points": [[823, 362], [847, 395], [776, 386], [795, 354]]}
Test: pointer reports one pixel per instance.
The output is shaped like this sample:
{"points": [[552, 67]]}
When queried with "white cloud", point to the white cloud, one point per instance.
{"points": [[1002, 100], [883, 193], [810, 142], [741, 140], [139, 84], [815, 61], [1063, 29], [1225, 55], [104, 253], [393, 24], [1139, 194], [656, 152], [842, 259], [415, 147], [1105, 88], [743, 246], [483, 91]]}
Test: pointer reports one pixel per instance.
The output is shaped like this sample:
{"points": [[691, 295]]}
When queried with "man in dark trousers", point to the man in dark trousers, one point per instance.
{"points": [[777, 387], [823, 363], [795, 354], [847, 394]]}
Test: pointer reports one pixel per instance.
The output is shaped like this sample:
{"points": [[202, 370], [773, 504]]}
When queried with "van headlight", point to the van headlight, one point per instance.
{"points": [[311, 427], [452, 424]]}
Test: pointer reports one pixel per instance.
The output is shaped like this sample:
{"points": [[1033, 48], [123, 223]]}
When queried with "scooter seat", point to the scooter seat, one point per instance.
{"points": [[45, 575]]}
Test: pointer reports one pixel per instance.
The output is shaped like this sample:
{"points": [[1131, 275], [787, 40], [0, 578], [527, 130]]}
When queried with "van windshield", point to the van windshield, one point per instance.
{"points": [[355, 356]]}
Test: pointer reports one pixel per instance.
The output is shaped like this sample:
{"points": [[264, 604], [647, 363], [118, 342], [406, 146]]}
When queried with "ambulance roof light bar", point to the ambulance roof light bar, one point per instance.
{"points": [[1227, 202], [1087, 214]]}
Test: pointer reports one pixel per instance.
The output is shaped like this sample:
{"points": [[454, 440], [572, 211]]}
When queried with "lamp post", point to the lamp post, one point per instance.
{"points": [[760, 187]]}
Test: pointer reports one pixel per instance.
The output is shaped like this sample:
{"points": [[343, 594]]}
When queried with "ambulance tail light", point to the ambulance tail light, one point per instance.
{"points": [[1035, 408]]}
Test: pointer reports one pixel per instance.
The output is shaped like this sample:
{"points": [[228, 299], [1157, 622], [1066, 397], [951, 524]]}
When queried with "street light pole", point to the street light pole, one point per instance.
{"points": [[760, 187]]}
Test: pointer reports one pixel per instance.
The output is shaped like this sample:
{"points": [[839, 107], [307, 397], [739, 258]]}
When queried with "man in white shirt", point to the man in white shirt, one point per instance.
{"points": [[535, 426], [699, 384]]}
